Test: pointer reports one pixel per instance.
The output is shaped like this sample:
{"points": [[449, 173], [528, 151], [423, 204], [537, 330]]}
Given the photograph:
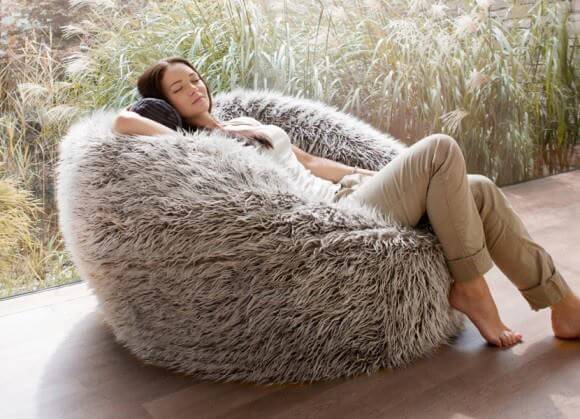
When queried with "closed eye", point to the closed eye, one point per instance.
{"points": [[193, 81]]}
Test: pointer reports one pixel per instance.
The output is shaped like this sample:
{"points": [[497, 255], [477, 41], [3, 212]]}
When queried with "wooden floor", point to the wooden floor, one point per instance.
{"points": [[58, 360]]}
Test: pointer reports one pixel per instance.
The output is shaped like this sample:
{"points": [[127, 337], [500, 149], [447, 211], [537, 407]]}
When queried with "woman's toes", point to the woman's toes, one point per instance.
{"points": [[508, 338], [517, 337], [504, 341]]}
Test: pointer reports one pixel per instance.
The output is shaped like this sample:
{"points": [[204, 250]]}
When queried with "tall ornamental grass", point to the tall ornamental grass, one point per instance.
{"points": [[508, 94]]}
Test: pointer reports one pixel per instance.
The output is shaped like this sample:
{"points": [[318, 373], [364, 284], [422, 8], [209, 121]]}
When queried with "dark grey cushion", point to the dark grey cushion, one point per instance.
{"points": [[159, 111]]}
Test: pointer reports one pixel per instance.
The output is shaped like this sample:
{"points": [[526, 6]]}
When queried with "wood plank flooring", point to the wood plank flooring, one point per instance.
{"points": [[58, 359]]}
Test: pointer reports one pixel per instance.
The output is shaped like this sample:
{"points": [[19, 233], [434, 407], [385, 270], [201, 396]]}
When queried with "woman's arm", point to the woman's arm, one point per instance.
{"points": [[326, 168], [332, 170], [131, 123]]}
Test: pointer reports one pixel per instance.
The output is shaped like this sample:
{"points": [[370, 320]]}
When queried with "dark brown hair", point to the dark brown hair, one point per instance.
{"points": [[149, 85]]}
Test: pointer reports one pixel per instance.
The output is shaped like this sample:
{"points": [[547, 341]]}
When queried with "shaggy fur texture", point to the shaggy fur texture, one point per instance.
{"points": [[206, 260]]}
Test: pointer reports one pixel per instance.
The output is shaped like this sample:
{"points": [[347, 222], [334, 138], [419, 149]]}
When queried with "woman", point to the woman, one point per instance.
{"points": [[471, 217]]}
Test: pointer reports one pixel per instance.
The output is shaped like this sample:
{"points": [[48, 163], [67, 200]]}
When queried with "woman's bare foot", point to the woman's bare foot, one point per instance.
{"points": [[566, 317], [474, 299]]}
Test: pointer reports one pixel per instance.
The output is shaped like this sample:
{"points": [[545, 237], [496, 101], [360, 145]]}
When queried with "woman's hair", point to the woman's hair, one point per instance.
{"points": [[149, 85]]}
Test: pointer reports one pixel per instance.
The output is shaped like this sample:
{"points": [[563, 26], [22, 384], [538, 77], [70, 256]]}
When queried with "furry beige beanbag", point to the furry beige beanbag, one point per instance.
{"points": [[206, 260]]}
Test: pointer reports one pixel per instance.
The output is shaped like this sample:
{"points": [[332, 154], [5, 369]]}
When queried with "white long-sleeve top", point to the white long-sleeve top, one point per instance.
{"points": [[283, 154]]}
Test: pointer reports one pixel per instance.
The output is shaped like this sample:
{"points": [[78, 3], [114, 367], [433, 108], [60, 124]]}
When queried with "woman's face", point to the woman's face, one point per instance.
{"points": [[185, 91]]}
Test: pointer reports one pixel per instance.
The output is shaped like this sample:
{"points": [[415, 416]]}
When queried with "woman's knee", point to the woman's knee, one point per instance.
{"points": [[445, 139], [445, 146], [481, 186]]}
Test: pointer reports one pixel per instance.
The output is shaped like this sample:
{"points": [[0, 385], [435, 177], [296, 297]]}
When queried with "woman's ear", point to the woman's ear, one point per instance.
{"points": [[158, 110]]}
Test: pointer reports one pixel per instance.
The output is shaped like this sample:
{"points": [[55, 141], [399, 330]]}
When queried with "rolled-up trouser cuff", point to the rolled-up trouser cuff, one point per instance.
{"points": [[471, 267], [547, 293]]}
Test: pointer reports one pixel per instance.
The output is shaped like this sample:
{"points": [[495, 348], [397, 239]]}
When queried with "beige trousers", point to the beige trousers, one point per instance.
{"points": [[470, 215]]}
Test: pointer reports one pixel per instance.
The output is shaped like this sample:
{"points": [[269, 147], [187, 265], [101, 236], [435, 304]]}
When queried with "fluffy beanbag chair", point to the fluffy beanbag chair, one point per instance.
{"points": [[205, 259]]}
